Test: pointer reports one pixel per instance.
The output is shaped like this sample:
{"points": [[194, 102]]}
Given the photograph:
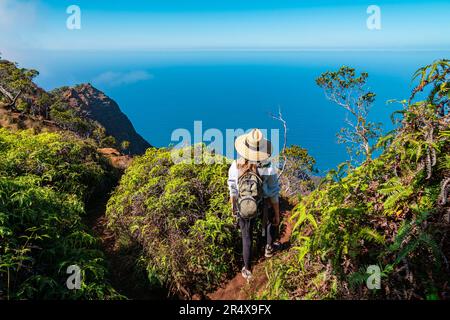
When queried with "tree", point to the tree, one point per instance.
{"points": [[298, 170], [12, 99], [15, 82], [108, 142], [349, 91], [436, 75], [125, 145]]}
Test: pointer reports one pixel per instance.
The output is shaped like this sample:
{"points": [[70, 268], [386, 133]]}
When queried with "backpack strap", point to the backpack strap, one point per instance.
{"points": [[243, 173]]}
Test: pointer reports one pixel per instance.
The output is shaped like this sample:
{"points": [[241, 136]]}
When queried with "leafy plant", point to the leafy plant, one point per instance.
{"points": [[179, 215], [44, 181], [386, 212]]}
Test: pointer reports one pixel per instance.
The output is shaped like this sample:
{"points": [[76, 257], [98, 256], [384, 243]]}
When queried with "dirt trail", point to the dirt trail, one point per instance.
{"points": [[125, 278], [123, 275], [238, 288]]}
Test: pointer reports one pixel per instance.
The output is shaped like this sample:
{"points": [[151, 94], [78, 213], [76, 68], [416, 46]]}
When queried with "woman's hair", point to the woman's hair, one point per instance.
{"points": [[245, 166]]}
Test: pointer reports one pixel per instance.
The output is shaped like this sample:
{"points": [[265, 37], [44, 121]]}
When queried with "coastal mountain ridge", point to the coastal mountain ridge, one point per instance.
{"points": [[101, 108], [81, 109]]}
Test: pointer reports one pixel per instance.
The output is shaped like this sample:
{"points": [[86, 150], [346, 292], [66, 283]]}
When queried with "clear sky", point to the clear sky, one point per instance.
{"points": [[218, 24]]}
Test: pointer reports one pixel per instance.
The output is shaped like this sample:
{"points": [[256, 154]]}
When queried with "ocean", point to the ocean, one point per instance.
{"points": [[161, 91]]}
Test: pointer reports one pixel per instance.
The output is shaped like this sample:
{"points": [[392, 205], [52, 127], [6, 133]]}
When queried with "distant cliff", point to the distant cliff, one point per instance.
{"points": [[82, 109], [102, 109]]}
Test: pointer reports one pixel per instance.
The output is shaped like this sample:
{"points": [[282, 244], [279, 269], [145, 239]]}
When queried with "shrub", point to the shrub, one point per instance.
{"points": [[178, 214], [44, 179], [386, 212]]}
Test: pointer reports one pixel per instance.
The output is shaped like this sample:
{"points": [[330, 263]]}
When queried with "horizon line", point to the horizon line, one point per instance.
{"points": [[252, 49]]}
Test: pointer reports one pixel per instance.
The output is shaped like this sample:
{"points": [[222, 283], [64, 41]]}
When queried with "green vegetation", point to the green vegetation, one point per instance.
{"points": [[125, 146], [298, 168], [179, 215], [18, 93], [69, 118], [44, 182], [17, 90], [391, 212]]}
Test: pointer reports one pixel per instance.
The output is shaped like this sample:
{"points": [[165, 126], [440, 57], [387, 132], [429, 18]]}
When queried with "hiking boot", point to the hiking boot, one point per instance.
{"points": [[277, 246], [247, 274], [268, 253]]}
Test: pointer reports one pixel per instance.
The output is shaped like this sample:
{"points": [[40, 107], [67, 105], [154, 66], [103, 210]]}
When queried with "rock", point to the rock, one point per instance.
{"points": [[109, 151], [99, 107], [117, 159]]}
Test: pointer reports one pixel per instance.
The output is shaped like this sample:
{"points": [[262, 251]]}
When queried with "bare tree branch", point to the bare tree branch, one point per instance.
{"points": [[6, 93], [12, 99], [281, 119]]}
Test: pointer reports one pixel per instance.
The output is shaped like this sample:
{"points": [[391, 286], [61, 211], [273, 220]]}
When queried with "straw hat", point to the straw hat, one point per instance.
{"points": [[253, 146]]}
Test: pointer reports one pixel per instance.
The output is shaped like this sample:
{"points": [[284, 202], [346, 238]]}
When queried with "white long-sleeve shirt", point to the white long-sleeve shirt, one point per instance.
{"points": [[270, 187]]}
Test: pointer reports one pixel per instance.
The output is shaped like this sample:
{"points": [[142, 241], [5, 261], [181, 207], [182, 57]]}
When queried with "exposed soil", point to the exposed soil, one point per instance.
{"points": [[125, 276], [14, 121], [117, 159], [237, 288], [130, 280]]}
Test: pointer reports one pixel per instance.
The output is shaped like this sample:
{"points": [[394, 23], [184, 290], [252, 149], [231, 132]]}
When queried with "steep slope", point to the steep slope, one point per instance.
{"points": [[45, 181], [83, 110], [387, 217], [50, 175], [178, 214], [106, 112], [238, 288]]}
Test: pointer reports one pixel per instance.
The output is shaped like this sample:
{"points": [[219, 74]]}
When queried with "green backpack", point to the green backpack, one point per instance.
{"points": [[250, 194]]}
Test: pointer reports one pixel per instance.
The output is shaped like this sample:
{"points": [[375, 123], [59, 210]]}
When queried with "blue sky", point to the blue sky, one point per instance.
{"points": [[218, 24], [171, 87]]}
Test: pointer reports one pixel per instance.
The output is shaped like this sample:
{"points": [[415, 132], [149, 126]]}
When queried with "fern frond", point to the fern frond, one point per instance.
{"points": [[371, 235]]}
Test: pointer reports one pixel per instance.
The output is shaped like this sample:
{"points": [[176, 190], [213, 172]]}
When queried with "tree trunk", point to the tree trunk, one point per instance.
{"points": [[367, 150], [12, 99], [6, 93]]}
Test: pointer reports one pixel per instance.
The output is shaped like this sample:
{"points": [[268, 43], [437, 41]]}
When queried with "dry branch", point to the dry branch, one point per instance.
{"points": [[12, 99], [281, 119]]}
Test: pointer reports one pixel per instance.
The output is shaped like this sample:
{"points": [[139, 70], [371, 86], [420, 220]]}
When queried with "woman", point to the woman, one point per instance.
{"points": [[255, 152]]}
